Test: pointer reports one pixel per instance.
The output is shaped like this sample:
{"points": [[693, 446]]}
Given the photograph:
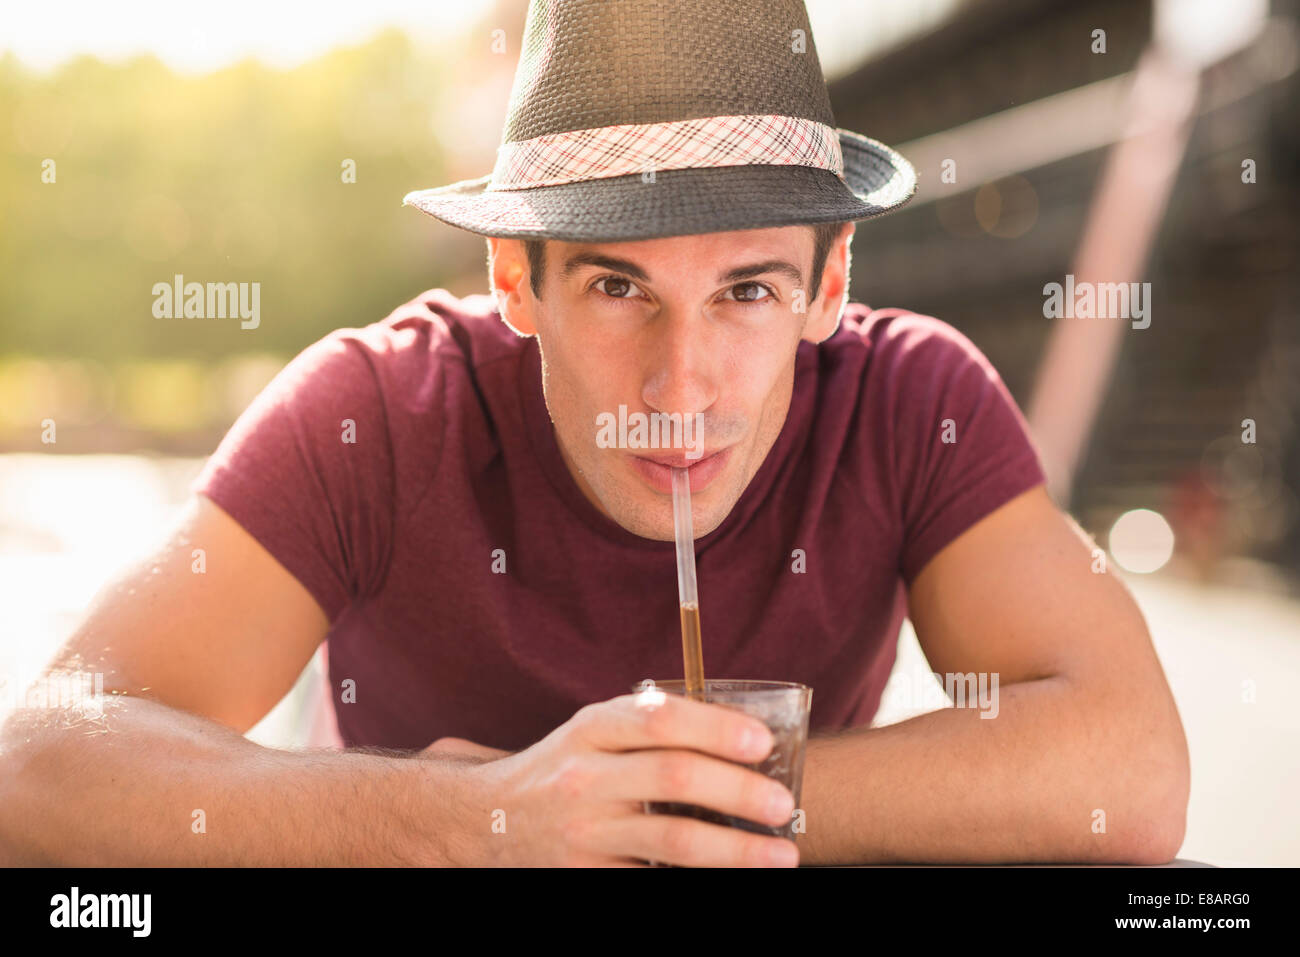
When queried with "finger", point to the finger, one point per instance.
{"points": [[656, 719], [602, 860], [688, 777], [671, 839]]}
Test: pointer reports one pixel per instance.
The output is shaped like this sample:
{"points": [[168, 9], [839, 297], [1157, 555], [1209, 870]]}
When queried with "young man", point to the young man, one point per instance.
{"points": [[433, 495]]}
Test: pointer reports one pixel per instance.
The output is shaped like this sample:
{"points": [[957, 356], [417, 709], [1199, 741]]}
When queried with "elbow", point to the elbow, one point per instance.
{"points": [[1164, 776], [26, 787], [9, 855], [1158, 836]]}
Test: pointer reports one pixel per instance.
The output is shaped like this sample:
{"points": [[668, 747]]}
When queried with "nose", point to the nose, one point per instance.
{"points": [[681, 377]]}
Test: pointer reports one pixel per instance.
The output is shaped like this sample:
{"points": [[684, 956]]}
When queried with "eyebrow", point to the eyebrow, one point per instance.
{"points": [[614, 264]]}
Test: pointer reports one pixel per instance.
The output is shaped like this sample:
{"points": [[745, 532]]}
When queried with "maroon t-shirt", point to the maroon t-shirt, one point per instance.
{"points": [[384, 467]]}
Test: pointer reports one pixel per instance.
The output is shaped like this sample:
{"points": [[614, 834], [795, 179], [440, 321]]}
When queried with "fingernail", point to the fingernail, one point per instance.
{"points": [[755, 741], [781, 805], [784, 854]]}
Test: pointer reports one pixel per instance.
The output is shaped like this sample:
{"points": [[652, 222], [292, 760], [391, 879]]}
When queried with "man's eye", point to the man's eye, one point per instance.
{"points": [[616, 287], [752, 292]]}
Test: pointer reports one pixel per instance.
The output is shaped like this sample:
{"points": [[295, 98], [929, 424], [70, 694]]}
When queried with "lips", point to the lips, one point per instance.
{"points": [[656, 470], [682, 461]]}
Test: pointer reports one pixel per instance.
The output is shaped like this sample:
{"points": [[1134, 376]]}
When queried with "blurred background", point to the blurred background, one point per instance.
{"points": [[1111, 140]]}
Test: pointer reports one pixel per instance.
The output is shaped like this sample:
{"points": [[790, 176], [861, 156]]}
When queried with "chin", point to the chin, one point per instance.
{"points": [[631, 502], [644, 513]]}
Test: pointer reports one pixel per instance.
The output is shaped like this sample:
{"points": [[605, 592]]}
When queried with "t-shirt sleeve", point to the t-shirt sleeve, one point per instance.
{"points": [[962, 446], [307, 470]]}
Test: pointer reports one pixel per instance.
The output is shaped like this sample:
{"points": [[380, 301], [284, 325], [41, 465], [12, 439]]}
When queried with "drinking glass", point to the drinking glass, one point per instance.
{"points": [[784, 707]]}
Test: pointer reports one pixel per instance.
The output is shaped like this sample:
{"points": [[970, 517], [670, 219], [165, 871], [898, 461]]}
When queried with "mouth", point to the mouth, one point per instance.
{"points": [[657, 472]]}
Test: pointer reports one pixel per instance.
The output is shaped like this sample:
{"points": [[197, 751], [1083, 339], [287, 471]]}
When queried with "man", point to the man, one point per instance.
{"points": [[669, 225]]}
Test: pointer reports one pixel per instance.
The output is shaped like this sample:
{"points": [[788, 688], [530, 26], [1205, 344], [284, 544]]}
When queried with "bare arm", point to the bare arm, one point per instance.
{"points": [[150, 785], [1085, 720], [190, 662]]}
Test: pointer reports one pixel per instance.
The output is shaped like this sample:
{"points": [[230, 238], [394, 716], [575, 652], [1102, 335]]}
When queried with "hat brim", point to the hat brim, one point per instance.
{"points": [[877, 180]]}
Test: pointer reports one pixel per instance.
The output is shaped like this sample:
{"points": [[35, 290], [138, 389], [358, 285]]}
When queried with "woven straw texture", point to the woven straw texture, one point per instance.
{"points": [[587, 64]]}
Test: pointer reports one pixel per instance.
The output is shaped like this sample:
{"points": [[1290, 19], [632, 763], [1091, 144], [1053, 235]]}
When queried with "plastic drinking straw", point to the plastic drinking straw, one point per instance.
{"points": [[687, 595]]}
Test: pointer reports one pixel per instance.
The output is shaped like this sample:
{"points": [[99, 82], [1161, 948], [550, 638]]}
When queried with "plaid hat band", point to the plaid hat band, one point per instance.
{"points": [[707, 142]]}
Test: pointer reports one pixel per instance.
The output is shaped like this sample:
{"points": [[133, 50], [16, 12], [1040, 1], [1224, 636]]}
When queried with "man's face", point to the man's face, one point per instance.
{"points": [[705, 327]]}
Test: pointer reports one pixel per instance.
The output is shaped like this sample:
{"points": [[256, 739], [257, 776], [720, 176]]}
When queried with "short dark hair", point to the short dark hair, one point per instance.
{"points": [[824, 235]]}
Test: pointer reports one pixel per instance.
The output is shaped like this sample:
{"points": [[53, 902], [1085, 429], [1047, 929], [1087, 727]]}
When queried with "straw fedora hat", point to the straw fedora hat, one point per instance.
{"points": [[636, 119]]}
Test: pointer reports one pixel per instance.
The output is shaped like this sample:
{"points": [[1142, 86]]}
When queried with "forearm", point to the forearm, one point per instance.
{"points": [[148, 785], [1025, 786]]}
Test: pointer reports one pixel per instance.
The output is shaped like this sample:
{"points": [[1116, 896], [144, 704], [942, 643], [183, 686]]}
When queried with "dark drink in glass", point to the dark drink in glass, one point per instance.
{"points": [[781, 705]]}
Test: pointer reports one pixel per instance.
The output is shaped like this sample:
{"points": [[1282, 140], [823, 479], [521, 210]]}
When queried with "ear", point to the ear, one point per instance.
{"points": [[824, 314], [508, 272]]}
